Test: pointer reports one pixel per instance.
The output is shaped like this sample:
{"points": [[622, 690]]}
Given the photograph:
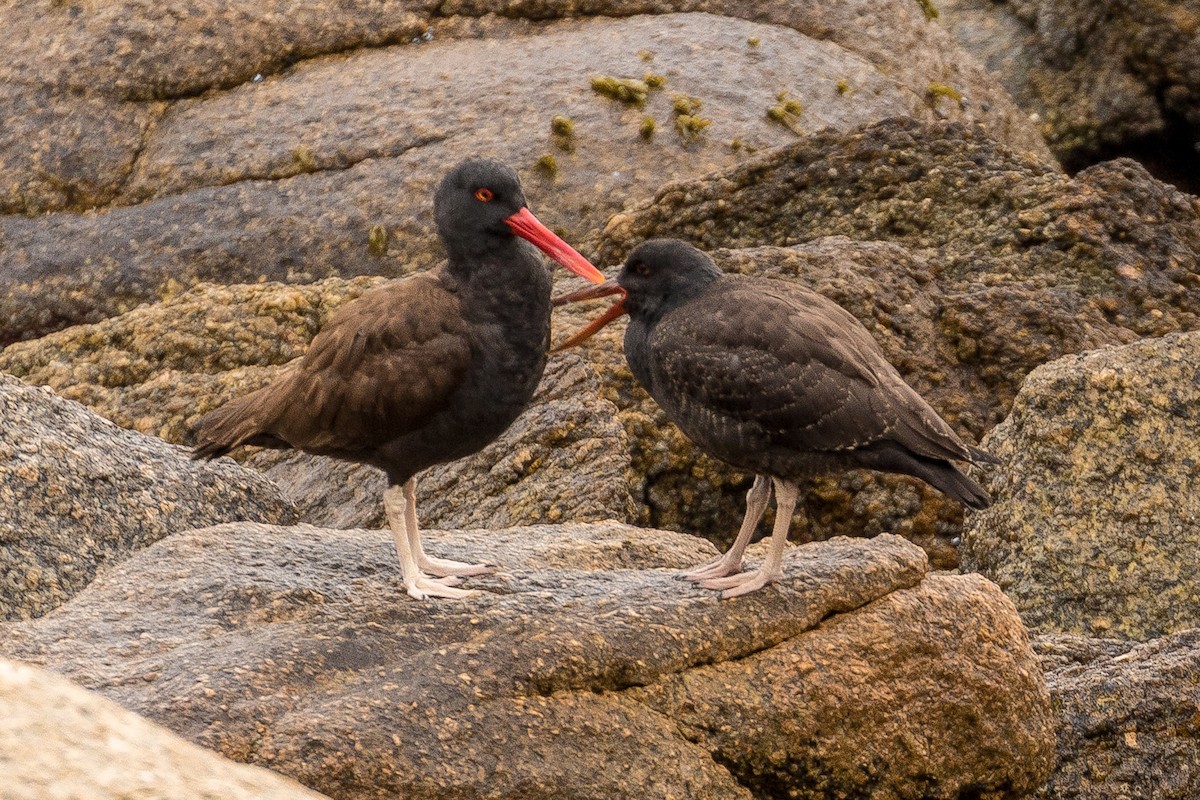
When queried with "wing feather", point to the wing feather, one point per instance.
{"points": [[381, 367], [789, 367]]}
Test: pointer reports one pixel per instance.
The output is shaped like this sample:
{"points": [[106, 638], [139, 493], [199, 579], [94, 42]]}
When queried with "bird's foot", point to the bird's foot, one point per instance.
{"points": [[423, 587], [446, 568], [740, 584], [717, 568]]}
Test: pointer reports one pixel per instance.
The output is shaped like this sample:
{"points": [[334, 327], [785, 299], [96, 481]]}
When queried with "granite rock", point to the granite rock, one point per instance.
{"points": [[1096, 528], [1100, 76], [1128, 717], [60, 741], [79, 494], [297, 649]]}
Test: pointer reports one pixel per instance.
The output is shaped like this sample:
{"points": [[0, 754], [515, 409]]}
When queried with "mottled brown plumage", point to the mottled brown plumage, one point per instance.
{"points": [[379, 369], [424, 370], [777, 380]]}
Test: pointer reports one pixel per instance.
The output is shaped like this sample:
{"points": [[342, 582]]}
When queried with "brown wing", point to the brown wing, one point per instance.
{"points": [[783, 364], [380, 368]]}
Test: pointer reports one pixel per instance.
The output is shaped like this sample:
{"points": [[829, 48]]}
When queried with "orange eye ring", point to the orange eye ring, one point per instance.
{"points": [[484, 195]]}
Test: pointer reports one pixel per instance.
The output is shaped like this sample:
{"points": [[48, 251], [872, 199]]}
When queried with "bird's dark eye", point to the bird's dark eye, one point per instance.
{"points": [[484, 194], [641, 268]]}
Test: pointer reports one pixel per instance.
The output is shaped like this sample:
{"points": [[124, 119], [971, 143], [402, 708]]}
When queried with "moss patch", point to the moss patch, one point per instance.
{"points": [[627, 90], [377, 240], [787, 112], [688, 121], [547, 166]]}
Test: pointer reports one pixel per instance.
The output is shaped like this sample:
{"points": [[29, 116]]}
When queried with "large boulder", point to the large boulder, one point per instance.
{"points": [[293, 141], [60, 741], [1096, 529], [1101, 77], [297, 649], [1128, 717], [78, 494]]}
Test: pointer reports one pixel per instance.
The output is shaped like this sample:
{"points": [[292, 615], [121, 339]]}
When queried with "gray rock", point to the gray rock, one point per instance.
{"points": [[201, 172], [1095, 529], [1099, 75], [60, 741], [1128, 718], [78, 494], [297, 649]]}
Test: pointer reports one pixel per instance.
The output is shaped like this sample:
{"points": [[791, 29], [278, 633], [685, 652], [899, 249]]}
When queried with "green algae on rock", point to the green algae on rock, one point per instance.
{"points": [[377, 240], [627, 90]]}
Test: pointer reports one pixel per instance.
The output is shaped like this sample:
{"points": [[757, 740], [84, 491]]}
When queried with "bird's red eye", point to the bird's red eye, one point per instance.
{"points": [[484, 195]]}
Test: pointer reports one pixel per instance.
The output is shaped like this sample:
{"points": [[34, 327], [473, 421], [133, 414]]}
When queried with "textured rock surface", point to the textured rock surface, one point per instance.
{"points": [[296, 648], [1100, 75], [1096, 530], [77, 493], [157, 114], [1128, 719], [59, 741], [566, 458]]}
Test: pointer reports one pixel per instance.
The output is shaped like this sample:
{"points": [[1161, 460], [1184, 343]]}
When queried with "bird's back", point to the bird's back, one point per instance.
{"points": [[777, 379]]}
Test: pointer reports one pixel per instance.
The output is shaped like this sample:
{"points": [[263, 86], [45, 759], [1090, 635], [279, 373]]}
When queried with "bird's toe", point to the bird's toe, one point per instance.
{"points": [[425, 587], [713, 569], [445, 567], [751, 582]]}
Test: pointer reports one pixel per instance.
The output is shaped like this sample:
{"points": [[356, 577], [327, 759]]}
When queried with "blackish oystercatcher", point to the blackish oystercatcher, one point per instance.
{"points": [[773, 379], [425, 370]]}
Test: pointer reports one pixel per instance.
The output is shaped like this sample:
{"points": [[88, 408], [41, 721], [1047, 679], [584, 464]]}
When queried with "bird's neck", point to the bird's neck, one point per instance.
{"points": [[649, 309], [509, 281]]}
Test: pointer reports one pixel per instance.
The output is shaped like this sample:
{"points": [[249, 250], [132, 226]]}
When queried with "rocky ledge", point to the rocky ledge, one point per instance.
{"points": [[297, 649]]}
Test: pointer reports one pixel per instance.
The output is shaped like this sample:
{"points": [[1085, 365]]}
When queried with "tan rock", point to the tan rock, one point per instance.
{"points": [[296, 648], [1095, 530], [60, 742]]}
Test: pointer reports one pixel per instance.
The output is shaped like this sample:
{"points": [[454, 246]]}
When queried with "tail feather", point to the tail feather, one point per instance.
{"points": [[238, 422], [947, 479], [941, 474]]}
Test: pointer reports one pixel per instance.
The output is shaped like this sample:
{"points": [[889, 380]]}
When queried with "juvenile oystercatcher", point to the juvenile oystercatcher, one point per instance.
{"points": [[425, 370], [774, 379]]}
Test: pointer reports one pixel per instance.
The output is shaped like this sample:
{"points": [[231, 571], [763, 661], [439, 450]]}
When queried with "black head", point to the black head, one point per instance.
{"points": [[472, 203], [661, 274], [480, 208]]}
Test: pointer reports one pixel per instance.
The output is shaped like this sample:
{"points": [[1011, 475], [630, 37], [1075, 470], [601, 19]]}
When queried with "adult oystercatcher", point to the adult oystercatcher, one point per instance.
{"points": [[773, 379], [425, 370]]}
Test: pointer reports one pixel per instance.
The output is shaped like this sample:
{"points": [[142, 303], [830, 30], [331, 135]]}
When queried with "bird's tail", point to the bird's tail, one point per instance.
{"points": [[234, 424], [950, 481], [939, 473]]}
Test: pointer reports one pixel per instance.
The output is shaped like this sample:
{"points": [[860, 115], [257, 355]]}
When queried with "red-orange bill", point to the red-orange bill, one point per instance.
{"points": [[590, 293], [528, 227]]}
